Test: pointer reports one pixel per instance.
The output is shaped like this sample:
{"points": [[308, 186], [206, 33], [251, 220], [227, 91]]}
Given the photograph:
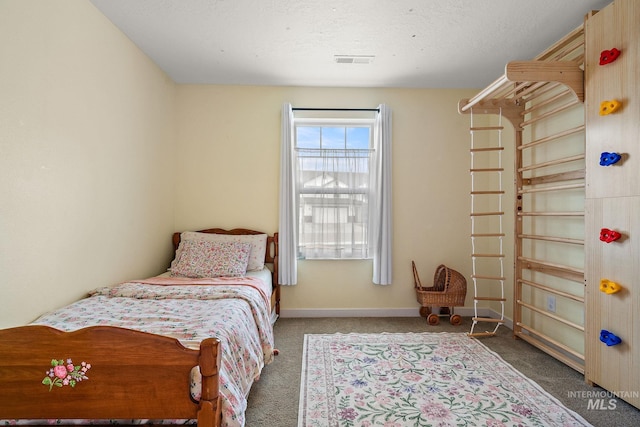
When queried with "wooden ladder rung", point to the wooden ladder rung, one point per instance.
{"points": [[551, 238], [487, 170], [486, 213], [551, 188], [487, 319], [487, 128], [482, 334], [489, 299], [488, 192], [577, 213], [532, 264], [488, 255], [488, 235], [552, 162], [551, 137], [477, 276], [474, 150]]}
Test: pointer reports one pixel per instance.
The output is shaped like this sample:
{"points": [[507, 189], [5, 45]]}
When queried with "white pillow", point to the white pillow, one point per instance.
{"points": [[258, 245]]}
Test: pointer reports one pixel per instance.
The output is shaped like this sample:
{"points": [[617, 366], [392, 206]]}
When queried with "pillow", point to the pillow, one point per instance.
{"points": [[258, 245], [200, 258]]}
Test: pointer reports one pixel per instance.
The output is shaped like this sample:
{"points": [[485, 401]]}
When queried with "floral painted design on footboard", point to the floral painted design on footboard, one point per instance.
{"points": [[65, 373]]}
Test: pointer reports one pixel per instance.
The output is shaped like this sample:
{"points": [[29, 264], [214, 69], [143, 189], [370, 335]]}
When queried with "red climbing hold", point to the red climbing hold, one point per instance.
{"points": [[609, 236], [608, 56]]}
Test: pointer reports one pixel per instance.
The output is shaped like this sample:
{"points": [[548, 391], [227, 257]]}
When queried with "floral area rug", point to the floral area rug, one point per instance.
{"points": [[418, 379]]}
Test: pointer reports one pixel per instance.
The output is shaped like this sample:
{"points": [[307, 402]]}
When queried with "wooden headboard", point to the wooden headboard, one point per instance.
{"points": [[270, 256]]}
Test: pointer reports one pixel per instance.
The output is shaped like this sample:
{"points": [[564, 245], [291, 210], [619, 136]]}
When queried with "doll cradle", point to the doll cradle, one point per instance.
{"points": [[449, 290]]}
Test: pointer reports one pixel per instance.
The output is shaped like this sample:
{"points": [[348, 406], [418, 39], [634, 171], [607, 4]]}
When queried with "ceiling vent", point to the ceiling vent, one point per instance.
{"points": [[353, 59]]}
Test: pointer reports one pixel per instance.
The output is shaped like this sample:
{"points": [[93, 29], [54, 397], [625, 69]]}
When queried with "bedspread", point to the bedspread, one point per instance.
{"points": [[236, 312]]}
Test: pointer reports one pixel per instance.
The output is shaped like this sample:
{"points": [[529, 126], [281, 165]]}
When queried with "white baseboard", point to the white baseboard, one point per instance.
{"points": [[350, 312], [383, 312]]}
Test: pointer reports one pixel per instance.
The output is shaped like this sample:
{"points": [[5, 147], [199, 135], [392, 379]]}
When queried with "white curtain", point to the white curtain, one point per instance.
{"points": [[381, 202], [288, 223]]}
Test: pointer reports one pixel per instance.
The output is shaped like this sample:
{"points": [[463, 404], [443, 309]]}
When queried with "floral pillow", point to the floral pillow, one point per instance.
{"points": [[201, 258], [258, 245]]}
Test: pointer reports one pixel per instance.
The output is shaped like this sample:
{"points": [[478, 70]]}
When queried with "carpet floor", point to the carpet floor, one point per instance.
{"points": [[274, 399]]}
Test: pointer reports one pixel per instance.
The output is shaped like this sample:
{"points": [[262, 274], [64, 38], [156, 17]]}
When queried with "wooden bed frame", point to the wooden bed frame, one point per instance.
{"points": [[132, 375]]}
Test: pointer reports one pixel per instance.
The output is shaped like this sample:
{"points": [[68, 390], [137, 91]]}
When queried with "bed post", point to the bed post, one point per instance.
{"points": [[209, 361], [275, 272]]}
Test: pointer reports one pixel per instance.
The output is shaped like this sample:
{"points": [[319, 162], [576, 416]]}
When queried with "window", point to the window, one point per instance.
{"points": [[333, 160], [335, 191]]}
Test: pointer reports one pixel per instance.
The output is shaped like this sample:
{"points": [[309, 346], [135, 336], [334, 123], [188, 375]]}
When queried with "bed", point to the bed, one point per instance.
{"points": [[179, 348]]}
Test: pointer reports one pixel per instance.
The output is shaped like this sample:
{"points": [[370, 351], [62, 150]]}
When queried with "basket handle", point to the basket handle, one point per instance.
{"points": [[440, 270], [416, 277]]}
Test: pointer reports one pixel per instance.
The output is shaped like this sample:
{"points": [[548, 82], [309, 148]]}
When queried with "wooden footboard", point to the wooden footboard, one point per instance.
{"points": [[104, 372]]}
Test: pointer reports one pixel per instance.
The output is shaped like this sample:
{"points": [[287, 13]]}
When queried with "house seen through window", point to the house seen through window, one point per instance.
{"points": [[332, 166]]}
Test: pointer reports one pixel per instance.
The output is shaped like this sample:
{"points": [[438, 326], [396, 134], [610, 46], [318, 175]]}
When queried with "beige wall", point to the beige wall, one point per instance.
{"points": [[228, 169], [103, 157], [86, 147]]}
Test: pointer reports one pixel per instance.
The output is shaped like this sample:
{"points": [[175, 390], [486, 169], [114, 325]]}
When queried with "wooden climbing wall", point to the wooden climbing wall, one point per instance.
{"points": [[542, 99], [613, 200]]}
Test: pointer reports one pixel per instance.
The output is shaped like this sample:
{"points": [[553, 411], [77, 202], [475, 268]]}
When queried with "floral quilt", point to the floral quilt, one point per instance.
{"points": [[237, 312]]}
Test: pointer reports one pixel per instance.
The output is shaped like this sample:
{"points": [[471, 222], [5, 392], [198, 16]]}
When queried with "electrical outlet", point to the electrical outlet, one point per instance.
{"points": [[551, 303]]}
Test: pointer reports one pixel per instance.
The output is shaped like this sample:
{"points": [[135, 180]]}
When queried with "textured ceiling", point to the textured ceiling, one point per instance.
{"points": [[416, 43]]}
